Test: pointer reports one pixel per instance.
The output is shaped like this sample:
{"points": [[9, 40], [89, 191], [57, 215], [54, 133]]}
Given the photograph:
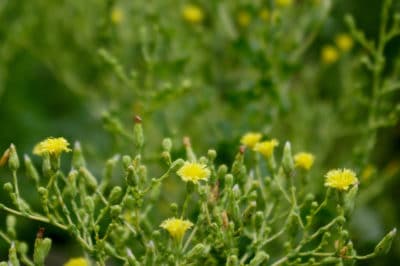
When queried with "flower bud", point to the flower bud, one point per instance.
{"points": [[89, 204], [30, 169], [13, 160], [228, 181], [177, 164], [167, 144], [212, 154], [384, 245], [287, 159], [42, 249], [46, 165], [200, 250], [115, 194], [115, 211], [349, 199], [8, 187], [91, 181], [131, 176], [78, 160], [126, 161], [259, 259], [232, 261], [132, 261], [12, 255], [138, 137], [222, 170]]}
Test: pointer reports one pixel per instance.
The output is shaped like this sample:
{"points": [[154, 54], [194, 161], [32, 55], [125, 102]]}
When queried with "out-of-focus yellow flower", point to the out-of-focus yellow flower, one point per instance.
{"points": [[265, 14], [193, 172], [52, 146], [77, 262], [117, 16], [340, 179], [368, 171], [250, 139], [266, 148], [344, 42], [176, 227], [243, 18], [193, 13], [283, 3], [304, 160], [329, 54]]}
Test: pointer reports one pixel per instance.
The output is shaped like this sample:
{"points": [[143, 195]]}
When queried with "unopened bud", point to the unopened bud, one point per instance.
{"points": [[42, 249], [13, 160], [384, 245], [287, 159], [91, 181], [167, 144], [115, 194], [260, 258], [30, 169], [115, 211], [78, 160]]}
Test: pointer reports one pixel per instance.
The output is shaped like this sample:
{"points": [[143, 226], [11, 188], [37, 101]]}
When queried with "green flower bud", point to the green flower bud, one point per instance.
{"points": [[177, 164], [115, 194], [260, 258], [90, 180], [232, 261], [258, 219], [22, 248], [46, 165], [89, 204], [138, 137], [12, 255], [287, 159], [249, 210], [13, 160], [41, 250], [228, 181], [126, 161], [236, 191], [222, 170], [8, 187], [167, 144], [384, 245], [349, 199], [115, 211], [3, 263], [174, 208], [131, 176], [200, 250], [78, 160], [31, 169], [212, 154]]}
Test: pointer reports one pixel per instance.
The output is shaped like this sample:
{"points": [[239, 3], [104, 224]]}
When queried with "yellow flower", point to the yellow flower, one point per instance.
{"points": [[304, 160], [344, 42], [283, 3], [176, 227], [193, 14], [340, 179], [52, 146], [77, 262], [265, 14], [266, 148], [193, 172], [329, 54], [243, 18], [250, 139], [117, 16]]}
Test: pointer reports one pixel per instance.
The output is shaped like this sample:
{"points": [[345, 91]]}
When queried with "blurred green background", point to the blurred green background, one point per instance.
{"points": [[83, 69]]}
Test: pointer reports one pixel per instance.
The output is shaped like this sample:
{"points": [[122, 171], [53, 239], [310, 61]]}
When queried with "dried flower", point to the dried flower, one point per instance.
{"points": [[176, 227], [193, 172], [266, 148], [52, 146], [340, 179], [193, 14], [250, 139], [77, 262], [304, 160]]}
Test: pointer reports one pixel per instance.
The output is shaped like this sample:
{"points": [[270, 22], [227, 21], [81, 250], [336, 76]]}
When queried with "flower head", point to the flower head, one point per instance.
{"points": [[117, 16], [250, 139], [52, 146], [304, 160], [344, 42], [265, 14], [243, 18], [77, 262], [176, 227], [329, 54], [340, 179], [283, 3], [266, 148], [193, 14], [193, 172]]}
